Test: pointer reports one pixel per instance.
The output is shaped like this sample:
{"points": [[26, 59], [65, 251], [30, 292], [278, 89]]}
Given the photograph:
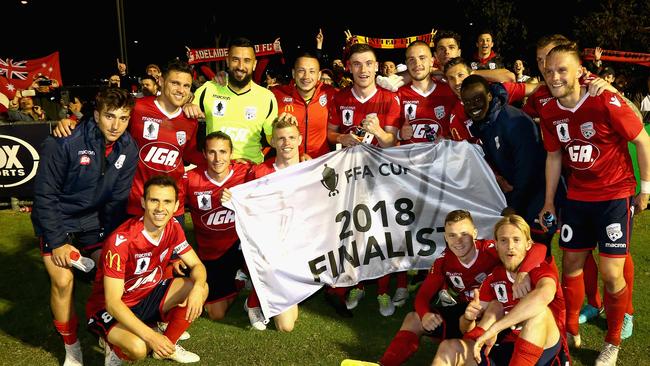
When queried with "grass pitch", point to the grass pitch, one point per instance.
{"points": [[28, 337]]}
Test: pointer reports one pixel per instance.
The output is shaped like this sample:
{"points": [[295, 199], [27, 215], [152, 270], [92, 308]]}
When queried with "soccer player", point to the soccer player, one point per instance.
{"points": [[286, 139], [214, 225], [165, 136], [461, 269], [365, 112], [533, 323], [130, 292], [80, 193], [241, 108], [364, 107], [308, 100], [426, 102], [587, 137]]}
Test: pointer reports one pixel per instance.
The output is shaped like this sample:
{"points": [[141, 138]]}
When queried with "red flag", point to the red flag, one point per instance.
{"points": [[20, 74], [7, 88]]}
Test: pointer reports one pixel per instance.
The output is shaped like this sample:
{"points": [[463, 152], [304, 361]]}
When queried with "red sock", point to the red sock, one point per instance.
{"points": [[253, 301], [525, 353], [401, 348], [402, 280], [615, 305], [67, 330], [574, 294], [628, 273], [382, 284], [590, 271], [177, 323]]}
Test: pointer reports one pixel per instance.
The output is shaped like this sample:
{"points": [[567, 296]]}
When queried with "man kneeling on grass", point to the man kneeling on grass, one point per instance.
{"points": [[461, 269], [129, 291], [533, 324]]}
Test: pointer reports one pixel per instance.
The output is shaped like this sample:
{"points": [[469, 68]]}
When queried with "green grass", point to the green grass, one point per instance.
{"points": [[320, 337]]}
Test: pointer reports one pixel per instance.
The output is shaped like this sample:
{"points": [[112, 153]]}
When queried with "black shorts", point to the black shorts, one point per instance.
{"points": [[148, 310], [450, 327], [606, 223], [501, 354], [86, 241], [221, 274]]}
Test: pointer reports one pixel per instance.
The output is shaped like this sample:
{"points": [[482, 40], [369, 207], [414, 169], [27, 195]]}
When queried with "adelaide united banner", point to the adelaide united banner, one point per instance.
{"points": [[356, 214], [389, 43], [217, 54]]}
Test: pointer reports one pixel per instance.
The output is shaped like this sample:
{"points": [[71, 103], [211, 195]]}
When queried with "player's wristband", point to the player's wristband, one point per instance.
{"points": [[645, 187], [474, 333]]}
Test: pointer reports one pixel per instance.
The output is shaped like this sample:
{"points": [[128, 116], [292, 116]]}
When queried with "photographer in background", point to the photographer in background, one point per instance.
{"points": [[48, 96], [26, 111]]}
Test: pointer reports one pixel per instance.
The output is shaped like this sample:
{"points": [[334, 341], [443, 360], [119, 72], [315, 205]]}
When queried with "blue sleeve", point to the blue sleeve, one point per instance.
{"points": [[525, 144], [48, 187]]}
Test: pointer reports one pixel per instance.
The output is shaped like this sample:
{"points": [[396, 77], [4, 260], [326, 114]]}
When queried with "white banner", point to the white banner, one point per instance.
{"points": [[356, 214]]}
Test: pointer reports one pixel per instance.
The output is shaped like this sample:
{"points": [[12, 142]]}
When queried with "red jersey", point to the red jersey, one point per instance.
{"points": [[347, 110], [516, 91], [164, 142], [427, 110], [593, 137], [129, 253], [312, 116], [542, 95], [214, 225], [498, 286], [459, 124], [260, 170], [464, 278]]}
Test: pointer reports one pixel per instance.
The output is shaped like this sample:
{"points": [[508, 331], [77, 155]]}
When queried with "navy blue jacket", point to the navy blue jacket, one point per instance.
{"points": [[512, 146], [77, 189]]}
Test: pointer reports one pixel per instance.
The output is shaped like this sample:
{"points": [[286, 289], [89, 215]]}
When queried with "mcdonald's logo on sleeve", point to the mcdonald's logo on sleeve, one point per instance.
{"points": [[113, 258]]}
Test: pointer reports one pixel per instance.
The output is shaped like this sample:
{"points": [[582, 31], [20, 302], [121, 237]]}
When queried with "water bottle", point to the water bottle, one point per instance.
{"points": [[549, 221], [84, 264]]}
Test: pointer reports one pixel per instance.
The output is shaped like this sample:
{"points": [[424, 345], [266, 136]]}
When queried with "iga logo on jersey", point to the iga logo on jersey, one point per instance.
{"points": [[582, 154], [160, 156], [219, 220]]}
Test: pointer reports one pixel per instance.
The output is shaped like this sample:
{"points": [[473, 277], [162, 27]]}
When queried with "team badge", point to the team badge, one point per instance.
{"points": [[250, 113], [142, 265], [322, 100], [439, 111], [219, 108], [410, 110], [563, 132], [150, 131], [457, 281], [204, 201], [480, 277], [347, 115], [181, 137], [500, 291], [587, 130], [614, 231], [496, 142], [84, 160], [120, 162]]}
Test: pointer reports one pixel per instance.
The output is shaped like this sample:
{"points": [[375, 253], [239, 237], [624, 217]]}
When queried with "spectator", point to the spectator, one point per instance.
{"points": [[149, 86], [127, 81], [521, 72], [327, 77], [608, 74], [114, 81], [154, 71], [27, 111], [48, 96], [485, 58], [388, 68]]}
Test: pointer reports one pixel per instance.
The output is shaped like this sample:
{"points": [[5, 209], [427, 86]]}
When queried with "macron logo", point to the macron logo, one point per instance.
{"points": [[119, 239], [615, 102]]}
